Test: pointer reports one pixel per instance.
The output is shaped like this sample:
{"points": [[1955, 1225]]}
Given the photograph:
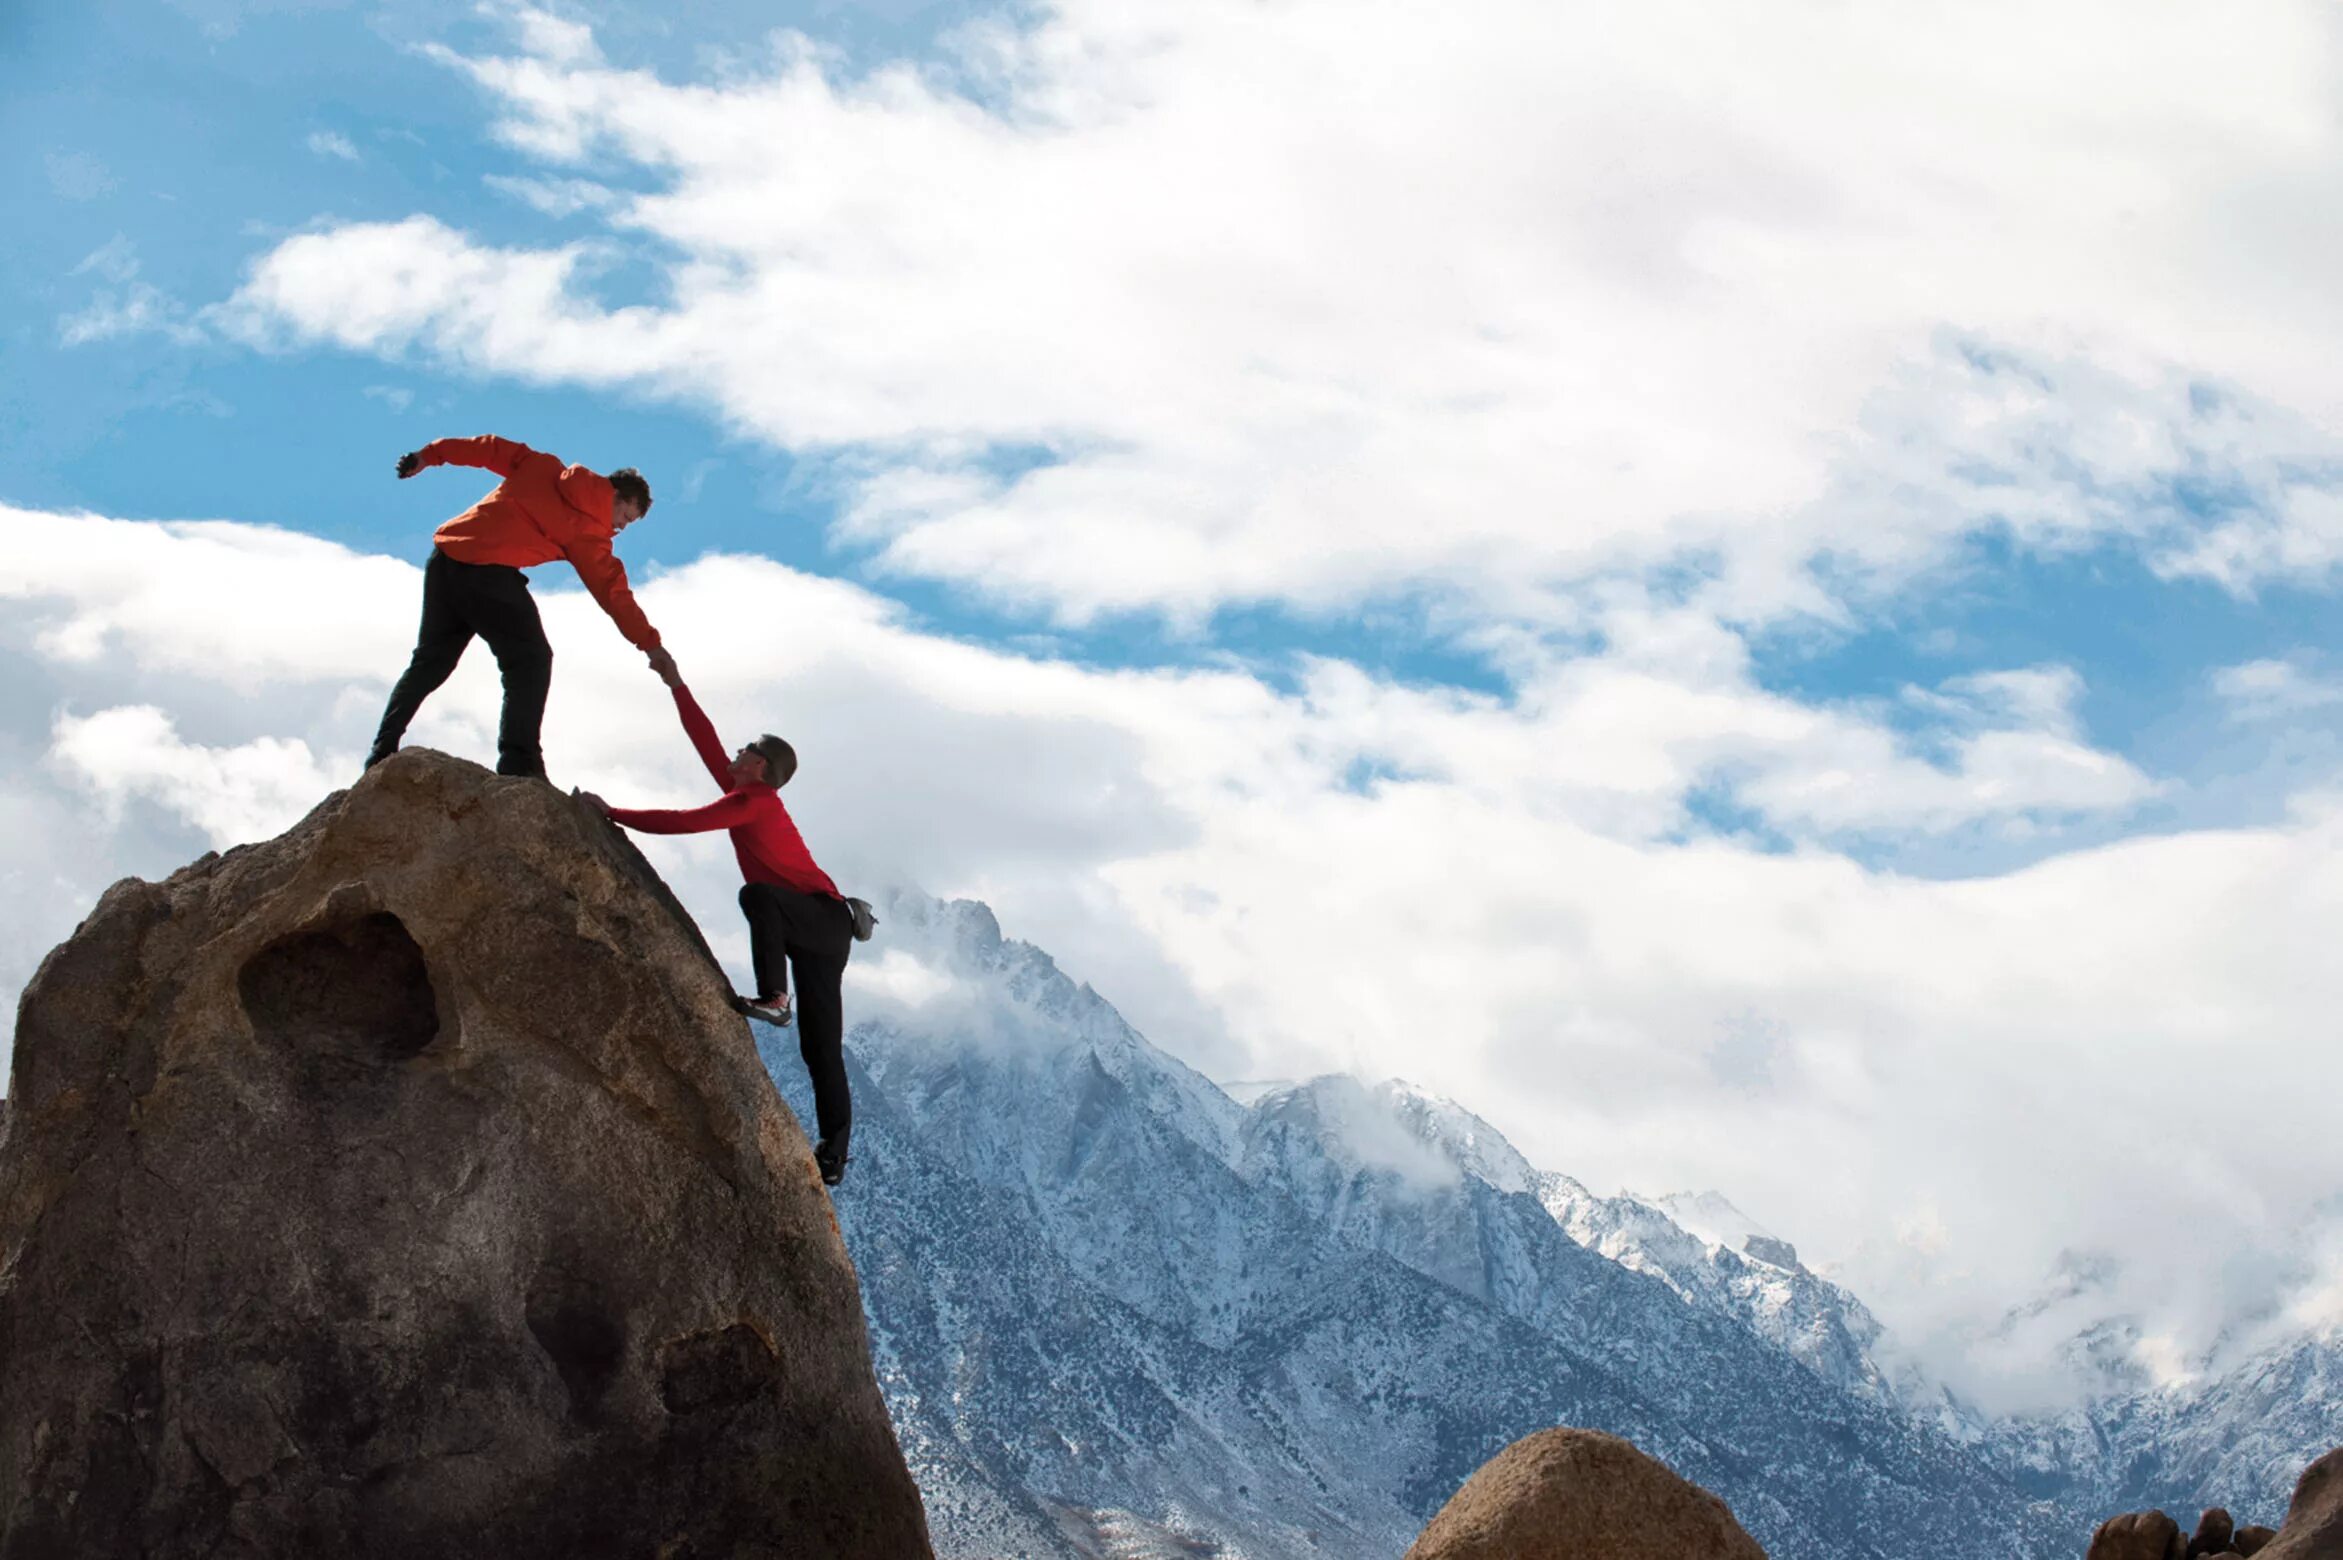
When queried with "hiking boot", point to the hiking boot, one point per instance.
{"points": [[769, 1010], [376, 756], [830, 1159], [863, 919]]}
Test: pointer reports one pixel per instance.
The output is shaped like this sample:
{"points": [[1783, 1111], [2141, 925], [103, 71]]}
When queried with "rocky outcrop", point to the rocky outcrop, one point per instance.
{"points": [[2214, 1531], [2138, 1535], [2313, 1529], [1569, 1494], [405, 1186]]}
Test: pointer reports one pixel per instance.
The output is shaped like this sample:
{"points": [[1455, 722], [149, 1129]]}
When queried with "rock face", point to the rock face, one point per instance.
{"points": [[405, 1186], [1581, 1495], [2313, 1529]]}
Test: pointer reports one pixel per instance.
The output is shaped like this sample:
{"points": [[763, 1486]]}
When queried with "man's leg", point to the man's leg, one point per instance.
{"points": [[821, 1036], [506, 616], [439, 644], [768, 939]]}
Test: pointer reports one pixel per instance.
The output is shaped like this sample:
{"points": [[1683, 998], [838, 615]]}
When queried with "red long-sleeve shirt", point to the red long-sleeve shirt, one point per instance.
{"points": [[763, 835], [541, 511]]}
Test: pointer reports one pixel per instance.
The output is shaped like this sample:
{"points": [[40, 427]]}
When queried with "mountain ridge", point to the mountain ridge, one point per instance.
{"points": [[1266, 1329]]}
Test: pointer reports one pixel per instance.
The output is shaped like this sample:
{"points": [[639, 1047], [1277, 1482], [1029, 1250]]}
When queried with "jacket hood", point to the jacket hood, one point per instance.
{"points": [[588, 492]]}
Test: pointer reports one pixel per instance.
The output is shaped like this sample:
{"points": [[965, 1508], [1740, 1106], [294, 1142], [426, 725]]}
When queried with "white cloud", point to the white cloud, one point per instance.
{"points": [[2298, 533], [417, 283], [116, 260], [559, 39], [129, 306], [2016, 756], [234, 794], [137, 309], [1501, 910], [2272, 689], [91, 587], [554, 197], [332, 143], [1324, 299]]}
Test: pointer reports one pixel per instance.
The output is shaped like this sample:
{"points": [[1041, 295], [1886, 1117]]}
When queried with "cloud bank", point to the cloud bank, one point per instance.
{"points": [[1492, 897], [1162, 307]]}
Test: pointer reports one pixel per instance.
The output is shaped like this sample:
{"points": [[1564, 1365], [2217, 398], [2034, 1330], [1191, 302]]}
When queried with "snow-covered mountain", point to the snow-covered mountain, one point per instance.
{"points": [[2238, 1438], [1118, 1313]]}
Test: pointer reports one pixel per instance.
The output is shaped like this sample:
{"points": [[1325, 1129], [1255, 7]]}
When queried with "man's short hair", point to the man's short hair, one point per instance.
{"points": [[626, 482], [780, 758]]}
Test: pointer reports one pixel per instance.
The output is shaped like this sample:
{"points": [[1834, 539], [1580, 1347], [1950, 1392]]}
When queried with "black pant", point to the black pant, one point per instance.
{"points": [[493, 601], [812, 933]]}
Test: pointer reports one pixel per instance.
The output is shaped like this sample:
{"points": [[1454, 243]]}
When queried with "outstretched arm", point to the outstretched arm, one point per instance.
{"points": [[722, 813], [605, 581], [702, 732], [488, 452]]}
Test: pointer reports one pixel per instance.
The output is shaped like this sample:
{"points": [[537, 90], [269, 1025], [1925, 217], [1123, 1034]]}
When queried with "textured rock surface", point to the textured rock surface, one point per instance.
{"points": [[2253, 1540], [1581, 1495], [405, 1186], [2138, 1535], [2313, 1529], [2212, 1535], [2214, 1530]]}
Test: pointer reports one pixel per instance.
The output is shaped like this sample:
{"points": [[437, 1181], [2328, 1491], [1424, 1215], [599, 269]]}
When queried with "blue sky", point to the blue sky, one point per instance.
{"points": [[192, 144], [1813, 528]]}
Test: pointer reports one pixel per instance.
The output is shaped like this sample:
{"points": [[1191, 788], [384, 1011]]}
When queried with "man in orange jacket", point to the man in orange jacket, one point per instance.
{"points": [[541, 511]]}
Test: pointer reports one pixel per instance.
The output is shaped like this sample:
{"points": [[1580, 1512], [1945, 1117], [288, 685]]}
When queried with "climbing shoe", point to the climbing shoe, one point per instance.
{"points": [[770, 1010], [830, 1159]]}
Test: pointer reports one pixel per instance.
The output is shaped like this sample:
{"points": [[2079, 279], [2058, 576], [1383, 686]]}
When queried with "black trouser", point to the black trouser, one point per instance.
{"points": [[811, 933], [491, 600]]}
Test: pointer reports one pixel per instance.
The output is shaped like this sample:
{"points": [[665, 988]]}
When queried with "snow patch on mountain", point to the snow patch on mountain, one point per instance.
{"points": [[1712, 1217]]}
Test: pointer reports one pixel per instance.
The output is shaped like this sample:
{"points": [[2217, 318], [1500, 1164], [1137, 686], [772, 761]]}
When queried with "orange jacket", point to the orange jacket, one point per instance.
{"points": [[541, 511]]}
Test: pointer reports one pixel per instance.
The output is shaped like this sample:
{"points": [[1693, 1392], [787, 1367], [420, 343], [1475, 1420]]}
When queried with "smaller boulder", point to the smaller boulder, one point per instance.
{"points": [[2252, 1540], [2214, 1531], [2138, 1535], [1567, 1494]]}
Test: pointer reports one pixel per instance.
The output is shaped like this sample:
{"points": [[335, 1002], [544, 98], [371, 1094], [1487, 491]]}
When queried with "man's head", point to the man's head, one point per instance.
{"points": [[630, 497], [766, 761]]}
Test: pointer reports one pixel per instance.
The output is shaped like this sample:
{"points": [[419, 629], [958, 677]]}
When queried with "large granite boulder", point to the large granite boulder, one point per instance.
{"points": [[2313, 1529], [1569, 1494], [405, 1186]]}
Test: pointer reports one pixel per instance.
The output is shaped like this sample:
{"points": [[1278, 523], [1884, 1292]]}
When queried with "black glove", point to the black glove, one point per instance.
{"points": [[409, 464]]}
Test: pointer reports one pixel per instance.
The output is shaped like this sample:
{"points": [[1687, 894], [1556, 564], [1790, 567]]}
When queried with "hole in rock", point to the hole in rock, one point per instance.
{"points": [[716, 1369], [577, 1331], [360, 988]]}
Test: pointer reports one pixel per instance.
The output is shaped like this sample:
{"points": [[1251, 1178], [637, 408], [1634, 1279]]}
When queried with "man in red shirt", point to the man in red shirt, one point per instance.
{"points": [[797, 919], [541, 511]]}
